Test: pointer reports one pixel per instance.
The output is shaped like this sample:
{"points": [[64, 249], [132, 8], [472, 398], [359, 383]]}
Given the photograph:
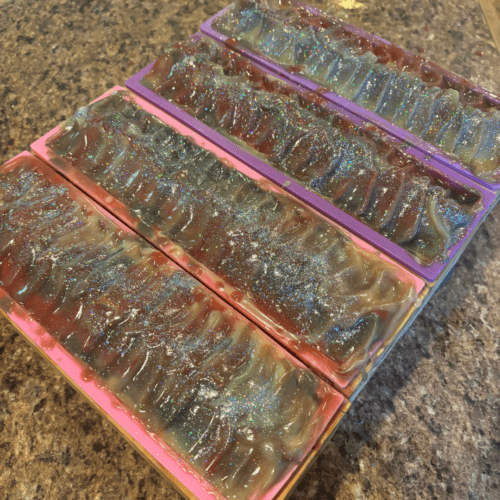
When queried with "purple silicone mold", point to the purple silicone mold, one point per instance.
{"points": [[434, 168], [418, 143]]}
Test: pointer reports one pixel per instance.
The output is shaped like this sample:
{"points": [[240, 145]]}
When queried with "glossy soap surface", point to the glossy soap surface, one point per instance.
{"points": [[225, 398], [404, 90], [305, 279], [359, 171]]}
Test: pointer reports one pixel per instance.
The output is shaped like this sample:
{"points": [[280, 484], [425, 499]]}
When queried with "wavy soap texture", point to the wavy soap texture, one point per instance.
{"points": [[355, 170], [225, 398], [289, 267], [381, 79]]}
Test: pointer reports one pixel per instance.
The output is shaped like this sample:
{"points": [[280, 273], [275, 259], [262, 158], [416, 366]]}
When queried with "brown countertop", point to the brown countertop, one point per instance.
{"points": [[426, 426]]}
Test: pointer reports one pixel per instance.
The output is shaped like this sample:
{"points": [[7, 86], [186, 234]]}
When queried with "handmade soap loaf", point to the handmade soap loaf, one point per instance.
{"points": [[404, 89], [353, 165], [239, 411], [323, 293]]}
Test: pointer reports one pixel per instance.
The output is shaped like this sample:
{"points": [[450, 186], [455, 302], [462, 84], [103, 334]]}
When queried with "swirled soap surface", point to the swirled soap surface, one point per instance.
{"points": [[359, 171], [382, 79], [291, 268], [225, 398]]}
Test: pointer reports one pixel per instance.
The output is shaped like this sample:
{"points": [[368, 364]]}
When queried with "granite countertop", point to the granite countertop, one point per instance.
{"points": [[427, 426]]}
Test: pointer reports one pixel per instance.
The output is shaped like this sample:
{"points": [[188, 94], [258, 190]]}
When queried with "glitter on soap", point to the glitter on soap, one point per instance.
{"points": [[358, 171], [240, 411], [382, 79], [288, 267]]}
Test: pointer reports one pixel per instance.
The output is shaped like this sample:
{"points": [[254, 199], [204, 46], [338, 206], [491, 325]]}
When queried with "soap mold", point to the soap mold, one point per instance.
{"points": [[32, 317], [382, 49], [350, 381], [435, 169]]}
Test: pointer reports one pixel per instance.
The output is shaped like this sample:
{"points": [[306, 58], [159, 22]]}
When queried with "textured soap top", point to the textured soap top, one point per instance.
{"points": [[285, 264], [397, 86], [359, 171], [225, 398]]}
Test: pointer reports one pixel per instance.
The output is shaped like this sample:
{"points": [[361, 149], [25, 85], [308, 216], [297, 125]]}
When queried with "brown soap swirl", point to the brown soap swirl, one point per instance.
{"points": [[236, 408], [357, 170], [405, 89], [290, 267]]}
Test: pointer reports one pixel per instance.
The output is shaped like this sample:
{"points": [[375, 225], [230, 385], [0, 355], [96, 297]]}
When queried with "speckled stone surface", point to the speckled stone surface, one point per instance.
{"points": [[427, 426]]}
